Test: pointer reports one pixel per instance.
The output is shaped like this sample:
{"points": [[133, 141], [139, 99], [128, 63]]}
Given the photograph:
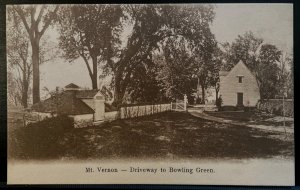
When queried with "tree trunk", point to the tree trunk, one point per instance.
{"points": [[25, 94], [35, 71], [117, 91], [94, 77], [203, 94], [217, 94], [120, 84], [25, 86]]}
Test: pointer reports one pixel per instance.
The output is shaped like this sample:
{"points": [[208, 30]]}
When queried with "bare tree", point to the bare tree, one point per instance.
{"points": [[285, 74], [17, 55], [14, 96], [36, 20]]}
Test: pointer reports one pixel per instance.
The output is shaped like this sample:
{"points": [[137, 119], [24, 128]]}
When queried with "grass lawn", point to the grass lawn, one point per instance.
{"points": [[171, 135]]}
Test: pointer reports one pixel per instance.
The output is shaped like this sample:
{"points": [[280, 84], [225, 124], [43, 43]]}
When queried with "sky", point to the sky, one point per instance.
{"points": [[272, 22]]}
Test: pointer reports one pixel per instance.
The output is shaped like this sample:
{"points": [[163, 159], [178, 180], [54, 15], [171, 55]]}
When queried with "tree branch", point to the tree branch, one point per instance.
{"points": [[86, 62], [47, 24], [22, 16], [40, 14], [32, 13]]}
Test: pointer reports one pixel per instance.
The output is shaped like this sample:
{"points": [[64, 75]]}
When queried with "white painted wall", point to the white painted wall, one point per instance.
{"points": [[230, 86], [110, 116], [97, 104], [99, 109], [82, 117]]}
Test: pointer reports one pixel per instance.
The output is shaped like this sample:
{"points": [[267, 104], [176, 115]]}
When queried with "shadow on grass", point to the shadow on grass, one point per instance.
{"points": [[169, 135]]}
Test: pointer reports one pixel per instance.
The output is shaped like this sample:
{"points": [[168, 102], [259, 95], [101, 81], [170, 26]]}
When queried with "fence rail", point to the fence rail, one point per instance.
{"points": [[136, 111], [179, 105]]}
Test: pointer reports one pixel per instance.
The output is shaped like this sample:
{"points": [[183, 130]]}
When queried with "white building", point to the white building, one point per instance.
{"points": [[239, 87]]}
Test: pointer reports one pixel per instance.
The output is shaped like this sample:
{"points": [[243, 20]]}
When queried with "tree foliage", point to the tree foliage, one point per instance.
{"points": [[260, 57], [285, 83], [95, 34], [176, 69], [92, 33], [152, 24]]}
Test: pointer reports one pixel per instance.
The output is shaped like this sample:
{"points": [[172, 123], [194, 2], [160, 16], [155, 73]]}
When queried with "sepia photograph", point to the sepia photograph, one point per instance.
{"points": [[150, 94]]}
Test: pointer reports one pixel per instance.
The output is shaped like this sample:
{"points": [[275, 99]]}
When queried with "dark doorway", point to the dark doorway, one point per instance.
{"points": [[239, 99]]}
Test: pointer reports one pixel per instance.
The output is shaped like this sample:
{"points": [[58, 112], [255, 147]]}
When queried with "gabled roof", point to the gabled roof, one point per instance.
{"points": [[63, 103], [86, 93], [223, 73], [72, 85]]}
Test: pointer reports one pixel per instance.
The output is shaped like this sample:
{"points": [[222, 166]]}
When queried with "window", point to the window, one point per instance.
{"points": [[240, 79]]}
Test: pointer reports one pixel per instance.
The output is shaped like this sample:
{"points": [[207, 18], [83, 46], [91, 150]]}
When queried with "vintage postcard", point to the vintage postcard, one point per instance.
{"points": [[150, 94]]}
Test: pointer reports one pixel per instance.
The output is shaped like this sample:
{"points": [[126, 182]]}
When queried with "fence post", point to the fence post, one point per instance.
{"points": [[184, 102], [24, 120]]}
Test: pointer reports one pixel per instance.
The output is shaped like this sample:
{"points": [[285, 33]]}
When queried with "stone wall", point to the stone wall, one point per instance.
{"points": [[136, 111], [81, 121], [275, 106], [33, 117]]}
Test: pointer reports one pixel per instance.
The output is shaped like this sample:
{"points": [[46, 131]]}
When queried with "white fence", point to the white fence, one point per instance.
{"points": [[180, 105], [136, 111]]}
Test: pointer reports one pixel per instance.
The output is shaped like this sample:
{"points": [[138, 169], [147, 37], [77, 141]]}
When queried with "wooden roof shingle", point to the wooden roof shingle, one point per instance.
{"points": [[63, 103]]}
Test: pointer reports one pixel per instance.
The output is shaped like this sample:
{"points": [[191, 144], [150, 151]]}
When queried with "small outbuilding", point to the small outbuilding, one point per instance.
{"points": [[84, 106], [238, 87]]}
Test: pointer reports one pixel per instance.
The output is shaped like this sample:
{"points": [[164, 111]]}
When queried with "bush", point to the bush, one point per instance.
{"points": [[39, 140], [198, 100], [249, 109], [219, 103], [110, 108], [191, 100], [275, 106], [229, 108]]}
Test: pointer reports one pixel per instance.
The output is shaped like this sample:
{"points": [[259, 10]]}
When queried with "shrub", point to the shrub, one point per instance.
{"points": [[219, 103], [198, 100], [275, 106], [191, 100], [110, 108], [39, 140], [229, 108]]}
